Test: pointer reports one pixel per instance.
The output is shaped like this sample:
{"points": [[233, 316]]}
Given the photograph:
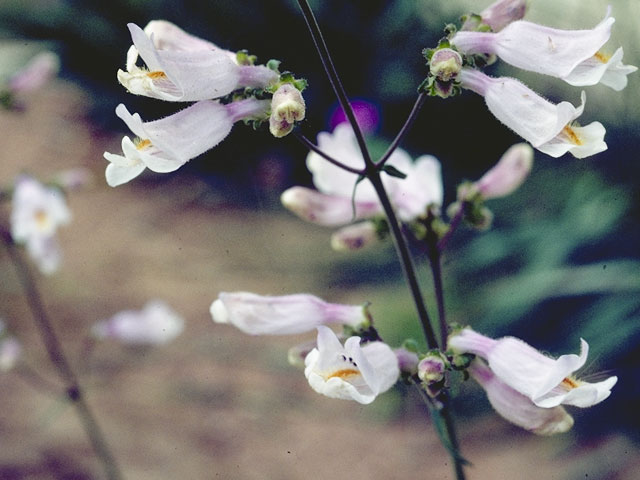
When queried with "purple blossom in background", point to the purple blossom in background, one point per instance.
{"points": [[366, 112]]}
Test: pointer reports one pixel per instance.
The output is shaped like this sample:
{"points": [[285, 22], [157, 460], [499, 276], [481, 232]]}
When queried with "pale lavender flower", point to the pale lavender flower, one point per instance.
{"points": [[334, 204], [547, 126], [35, 74], [517, 408], [37, 212], [546, 381], [355, 236], [508, 174], [572, 55], [353, 371], [282, 315], [166, 144], [155, 324], [181, 67]]}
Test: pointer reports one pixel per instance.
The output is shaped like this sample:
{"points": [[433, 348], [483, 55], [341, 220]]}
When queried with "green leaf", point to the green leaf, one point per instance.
{"points": [[393, 171]]}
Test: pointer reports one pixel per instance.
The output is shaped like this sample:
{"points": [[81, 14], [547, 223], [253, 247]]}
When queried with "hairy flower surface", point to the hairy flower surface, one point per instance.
{"points": [[155, 324], [282, 315], [546, 381], [166, 144], [181, 67], [517, 408], [37, 212], [547, 126], [353, 371]]}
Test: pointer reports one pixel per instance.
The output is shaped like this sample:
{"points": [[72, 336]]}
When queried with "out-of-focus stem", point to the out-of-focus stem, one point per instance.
{"points": [[59, 359]]}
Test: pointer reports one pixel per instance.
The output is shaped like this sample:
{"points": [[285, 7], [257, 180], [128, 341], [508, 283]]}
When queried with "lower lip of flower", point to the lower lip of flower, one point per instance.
{"points": [[344, 373], [572, 135]]}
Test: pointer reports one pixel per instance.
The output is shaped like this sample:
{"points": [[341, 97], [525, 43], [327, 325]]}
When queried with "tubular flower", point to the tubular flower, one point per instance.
{"points": [[517, 408], [572, 55], [37, 212], [334, 203], [155, 324], [353, 371], [499, 14], [547, 126], [546, 381], [508, 174], [283, 315], [165, 145], [184, 68]]}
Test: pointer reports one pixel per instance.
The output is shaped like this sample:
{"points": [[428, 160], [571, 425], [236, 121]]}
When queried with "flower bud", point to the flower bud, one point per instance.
{"points": [[445, 64], [354, 237], [508, 174], [432, 368], [407, 361], [287, 107], [501, 13]]}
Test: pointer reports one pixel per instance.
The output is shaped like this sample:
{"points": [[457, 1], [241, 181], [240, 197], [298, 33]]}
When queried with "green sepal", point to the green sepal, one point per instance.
{"points": [[411, 345], [243, 58], [393, 171], [274, 65]]}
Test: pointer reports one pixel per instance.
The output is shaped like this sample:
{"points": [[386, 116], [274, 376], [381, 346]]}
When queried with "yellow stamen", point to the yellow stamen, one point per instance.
{"points": [[41, 218], [570, 383], [602, 57], [344, 373], [140, 144], [157, 74], [573, 136]]}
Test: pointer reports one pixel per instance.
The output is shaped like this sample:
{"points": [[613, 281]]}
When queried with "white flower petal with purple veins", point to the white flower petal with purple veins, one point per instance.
{"points": [[538, 48], [327, 210], [547, 126], [282, 315], [166, 144], [155, 324], [182, 68], [600, 68], [546, 381], [517, 408], [508, 174], [352, 371]]}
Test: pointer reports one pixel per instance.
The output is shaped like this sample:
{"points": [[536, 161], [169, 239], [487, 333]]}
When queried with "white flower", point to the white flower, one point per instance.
{"points": [[181, 67], [600, 68], [547, 382], [353, 371], [166, 144], [282, 315], [547, 126], [155, 324], [571, 55], [508, 174], [37, 212], [333, 204], [518, 409]]}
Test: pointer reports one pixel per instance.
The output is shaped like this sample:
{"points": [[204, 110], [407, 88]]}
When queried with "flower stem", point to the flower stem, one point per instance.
{"points": [[312, 146], [455, 221], [422, 97], [332, 74], [59, 360]]}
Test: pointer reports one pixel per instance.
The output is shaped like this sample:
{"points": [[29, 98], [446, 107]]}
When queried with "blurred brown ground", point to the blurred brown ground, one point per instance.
{"points": [[214, 403]]}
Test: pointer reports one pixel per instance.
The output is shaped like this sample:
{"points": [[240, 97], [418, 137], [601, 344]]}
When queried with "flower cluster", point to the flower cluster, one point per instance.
{"points": [[341, 200], [358, 369], [527, 387], [226, 87], [37, 212], [574, 56]]}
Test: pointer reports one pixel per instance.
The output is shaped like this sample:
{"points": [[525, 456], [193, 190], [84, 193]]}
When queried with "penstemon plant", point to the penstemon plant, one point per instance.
{"points": [[369, 199], [365, 199]]}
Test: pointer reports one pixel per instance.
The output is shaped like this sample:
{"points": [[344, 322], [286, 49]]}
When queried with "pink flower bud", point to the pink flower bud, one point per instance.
{"points": [[508, 174], [36, 73], [445, 64], [287, 107]]}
